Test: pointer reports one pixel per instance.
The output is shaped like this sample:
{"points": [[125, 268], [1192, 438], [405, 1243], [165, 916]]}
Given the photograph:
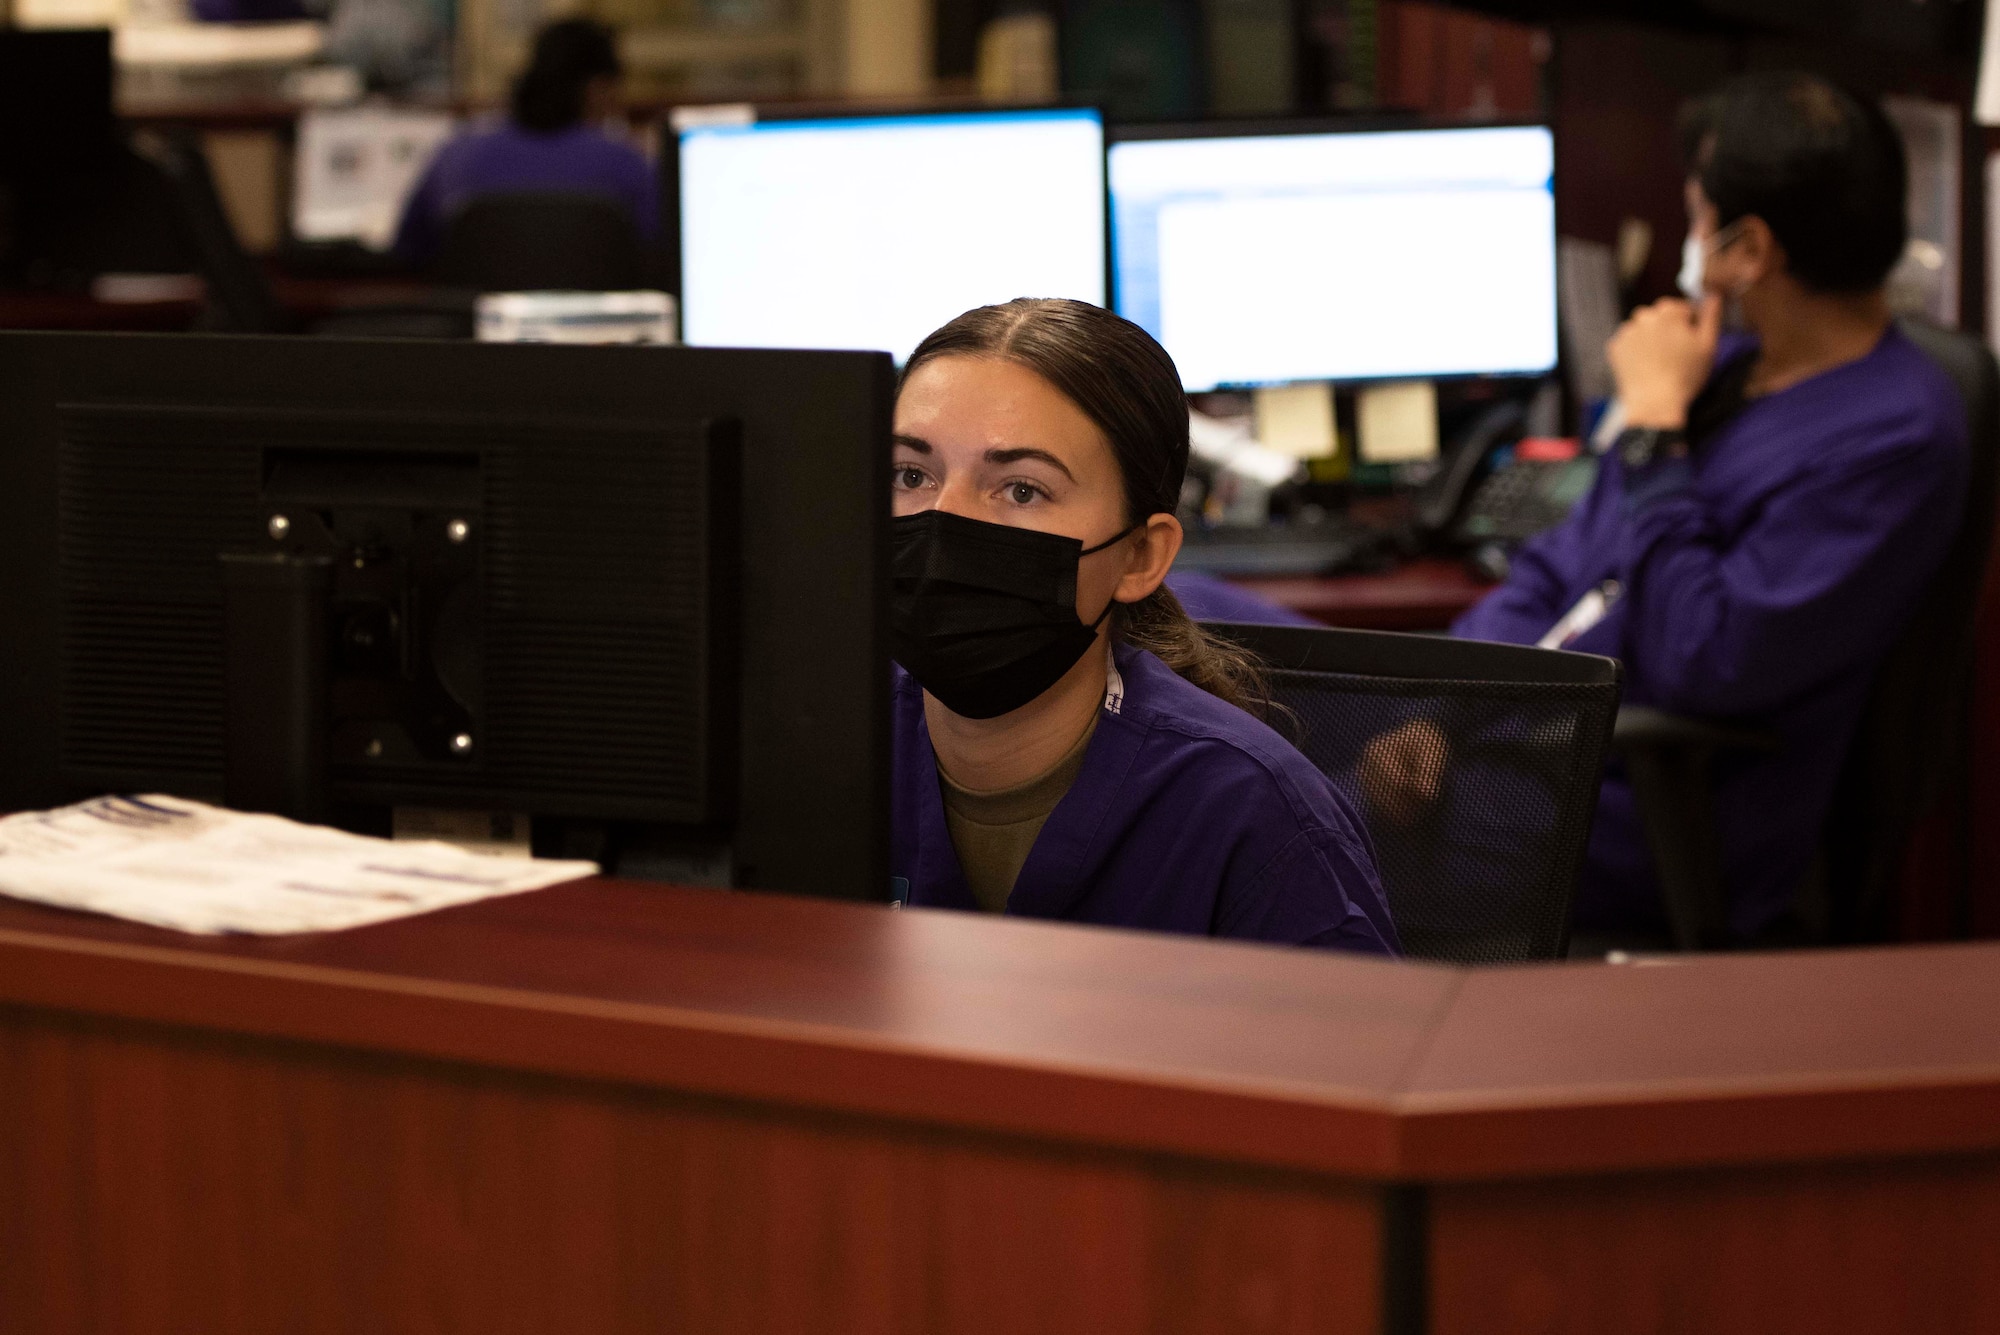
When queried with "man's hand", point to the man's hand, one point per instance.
{"points": [[1402, 771], [1662, 356]]}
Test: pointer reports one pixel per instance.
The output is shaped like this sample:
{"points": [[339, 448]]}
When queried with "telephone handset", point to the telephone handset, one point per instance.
{"points": [[1440, 500]]}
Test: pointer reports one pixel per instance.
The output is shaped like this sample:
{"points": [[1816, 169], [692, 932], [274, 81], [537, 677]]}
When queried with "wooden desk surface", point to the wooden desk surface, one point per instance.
{"points": [[307, 298], [1233, 1053], [38, 309]]}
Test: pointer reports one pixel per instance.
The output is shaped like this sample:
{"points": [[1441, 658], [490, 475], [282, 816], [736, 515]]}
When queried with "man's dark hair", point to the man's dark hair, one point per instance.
{"points": [[568, 55], [1822, 167]]}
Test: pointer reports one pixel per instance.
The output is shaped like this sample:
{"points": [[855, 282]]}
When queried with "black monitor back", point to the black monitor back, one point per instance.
{"points": [[55, 101], [631, 592], [73, 203]]}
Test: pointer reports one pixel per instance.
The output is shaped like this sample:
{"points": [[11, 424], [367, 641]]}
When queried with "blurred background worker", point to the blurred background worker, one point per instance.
{"points": [[1775, 501], [552, 140]]}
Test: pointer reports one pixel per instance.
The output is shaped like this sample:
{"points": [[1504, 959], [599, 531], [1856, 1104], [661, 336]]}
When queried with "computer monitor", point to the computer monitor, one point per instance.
{"points": [[1304, 253], [870, 231], [354, 168], [66, 202], [632, 593], [56, 115]]}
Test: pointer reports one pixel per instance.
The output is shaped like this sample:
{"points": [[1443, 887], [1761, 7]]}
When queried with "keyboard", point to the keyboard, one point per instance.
{"points": [[1323, 547]]}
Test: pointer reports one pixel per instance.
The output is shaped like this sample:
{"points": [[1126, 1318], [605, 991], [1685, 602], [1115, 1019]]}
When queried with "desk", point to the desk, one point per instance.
{"points": [[40, 309], [1425, 594], [611, 1106], [307, 299]]}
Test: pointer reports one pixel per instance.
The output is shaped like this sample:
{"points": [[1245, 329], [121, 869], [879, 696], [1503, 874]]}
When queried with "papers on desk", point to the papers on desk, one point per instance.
{"points": [[195, 868]]}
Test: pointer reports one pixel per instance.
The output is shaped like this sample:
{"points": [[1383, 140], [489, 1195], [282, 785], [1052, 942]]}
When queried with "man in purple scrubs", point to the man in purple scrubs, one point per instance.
{"points": [[551, 141], [1775, 502]]}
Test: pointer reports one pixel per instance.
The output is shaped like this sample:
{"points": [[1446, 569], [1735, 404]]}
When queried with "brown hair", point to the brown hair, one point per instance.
{"points": [[568, 54], [1127, 384]]}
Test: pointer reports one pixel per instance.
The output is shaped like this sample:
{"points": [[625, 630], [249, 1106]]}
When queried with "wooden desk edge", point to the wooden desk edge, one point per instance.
{"points": [[697, 1053], [1375, 1135], [1899, 1115]]}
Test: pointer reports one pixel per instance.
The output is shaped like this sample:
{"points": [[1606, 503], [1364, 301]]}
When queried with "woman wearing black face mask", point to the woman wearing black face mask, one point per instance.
{"points": [[1067, 743]]}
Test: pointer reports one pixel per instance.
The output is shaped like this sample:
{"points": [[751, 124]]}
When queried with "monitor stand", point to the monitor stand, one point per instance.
{"points": [[276, 683]]}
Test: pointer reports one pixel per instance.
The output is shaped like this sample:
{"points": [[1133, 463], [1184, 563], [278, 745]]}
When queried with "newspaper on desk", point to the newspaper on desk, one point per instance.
{"points": [[175, 863]]}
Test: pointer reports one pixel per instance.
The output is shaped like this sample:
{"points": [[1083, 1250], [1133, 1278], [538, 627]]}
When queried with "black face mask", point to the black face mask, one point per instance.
{"points": [[984, 615]]}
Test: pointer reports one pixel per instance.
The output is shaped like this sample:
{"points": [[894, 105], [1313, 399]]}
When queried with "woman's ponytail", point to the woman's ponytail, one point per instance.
{"points": [[1159, 624]]}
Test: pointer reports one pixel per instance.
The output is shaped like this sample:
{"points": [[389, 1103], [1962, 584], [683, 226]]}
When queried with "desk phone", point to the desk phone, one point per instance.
{"points": [[1523, 497]]}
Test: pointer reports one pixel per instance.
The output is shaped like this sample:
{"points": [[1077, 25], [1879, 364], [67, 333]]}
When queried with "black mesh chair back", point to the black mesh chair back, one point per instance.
{"points": [[542, 240], [1480, 861], [240, 300], [1912, 747]]}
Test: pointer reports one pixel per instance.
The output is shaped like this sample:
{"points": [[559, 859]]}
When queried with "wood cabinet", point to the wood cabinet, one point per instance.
{"points": [[717, 50], [611, 1106]]}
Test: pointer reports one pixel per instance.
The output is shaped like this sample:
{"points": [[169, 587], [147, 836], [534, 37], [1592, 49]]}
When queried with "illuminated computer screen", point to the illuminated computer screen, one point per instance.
{"points": [[1264, 258], [868, 232], [355, 167]]}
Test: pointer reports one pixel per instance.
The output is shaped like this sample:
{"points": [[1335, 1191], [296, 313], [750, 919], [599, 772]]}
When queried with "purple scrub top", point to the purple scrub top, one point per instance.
{"points": [[505, 157], [1762, 581], [1207, 598], [1187, 816]]}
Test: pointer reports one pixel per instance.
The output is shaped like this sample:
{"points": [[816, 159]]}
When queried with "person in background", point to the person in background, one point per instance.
{"points": [[1066, 743], [551, 140], [1776, 500], [1212, 598]]}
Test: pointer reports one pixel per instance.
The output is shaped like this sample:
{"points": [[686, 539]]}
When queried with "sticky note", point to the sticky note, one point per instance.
{"points": [[1298, 420], [1398, 423]]}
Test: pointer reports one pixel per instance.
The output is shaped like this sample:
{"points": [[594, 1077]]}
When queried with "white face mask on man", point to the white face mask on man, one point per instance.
{"points": [[1694, 261]]}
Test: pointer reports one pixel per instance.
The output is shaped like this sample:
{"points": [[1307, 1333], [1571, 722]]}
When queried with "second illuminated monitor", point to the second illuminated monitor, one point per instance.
{"points": [[1263, 258], [868, 232]]}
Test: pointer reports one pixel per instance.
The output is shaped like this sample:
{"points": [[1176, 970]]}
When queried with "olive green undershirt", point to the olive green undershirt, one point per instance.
{"points": [[993, 832]]}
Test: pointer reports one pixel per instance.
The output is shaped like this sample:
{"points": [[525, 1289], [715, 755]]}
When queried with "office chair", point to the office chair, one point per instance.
{"points": [[542, 240], [1910, 751], [1484, 872], [240, 299]]}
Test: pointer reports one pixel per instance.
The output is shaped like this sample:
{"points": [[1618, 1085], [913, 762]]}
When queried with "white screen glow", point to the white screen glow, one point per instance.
{"points": [[1271, 258], [870, 233]]}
